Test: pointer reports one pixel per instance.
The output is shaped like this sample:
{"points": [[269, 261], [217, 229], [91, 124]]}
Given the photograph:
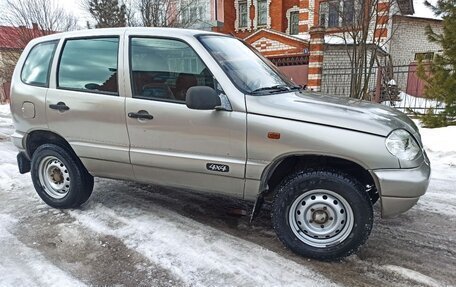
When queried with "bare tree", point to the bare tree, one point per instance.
{"points": [[28, 19], [362, 27]]}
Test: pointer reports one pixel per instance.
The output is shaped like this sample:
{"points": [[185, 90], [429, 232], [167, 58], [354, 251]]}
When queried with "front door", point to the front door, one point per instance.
{"points": [[170, 143], [86, 106]]}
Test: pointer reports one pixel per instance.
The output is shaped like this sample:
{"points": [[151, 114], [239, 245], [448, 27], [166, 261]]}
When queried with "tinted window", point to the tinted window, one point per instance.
{"points": [[37, 65], [89, 65], [165, 69]]}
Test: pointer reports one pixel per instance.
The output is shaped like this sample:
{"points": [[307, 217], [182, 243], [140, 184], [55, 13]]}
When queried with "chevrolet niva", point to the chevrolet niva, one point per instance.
{"points": [[204, 111]]}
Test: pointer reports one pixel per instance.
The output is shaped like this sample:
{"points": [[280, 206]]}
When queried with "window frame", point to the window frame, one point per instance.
{"points": [[246, 15], [51, 60], [130, 70], [291, 23], [62, 49], [327, 7], [265, 12]]}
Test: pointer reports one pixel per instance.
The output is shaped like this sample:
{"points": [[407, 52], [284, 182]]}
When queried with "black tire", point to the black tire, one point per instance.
{"points": [[305, 183], [80, 181]]}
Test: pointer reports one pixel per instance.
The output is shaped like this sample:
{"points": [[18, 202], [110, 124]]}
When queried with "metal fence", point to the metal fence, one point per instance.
{"points": [[403, 89]]}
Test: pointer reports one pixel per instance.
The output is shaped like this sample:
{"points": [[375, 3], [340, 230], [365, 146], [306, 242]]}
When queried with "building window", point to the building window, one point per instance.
{"points": [[294, 22], [424, 56], [348, 15], [262, 12], [337, 13], [243, 15]]}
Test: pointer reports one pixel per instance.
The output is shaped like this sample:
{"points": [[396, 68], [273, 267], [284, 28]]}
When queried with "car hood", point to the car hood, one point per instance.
{"points": [[339, 112]]}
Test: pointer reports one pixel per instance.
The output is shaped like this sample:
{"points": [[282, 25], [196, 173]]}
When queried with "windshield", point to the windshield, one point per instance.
{"points": [[249, 71]]}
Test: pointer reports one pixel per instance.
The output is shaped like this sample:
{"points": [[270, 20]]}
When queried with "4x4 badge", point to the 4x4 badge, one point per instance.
{"points": [[217, 167]]}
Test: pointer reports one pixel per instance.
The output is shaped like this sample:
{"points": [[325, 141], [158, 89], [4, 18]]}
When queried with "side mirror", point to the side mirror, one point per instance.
{"points": [[202, 98]]}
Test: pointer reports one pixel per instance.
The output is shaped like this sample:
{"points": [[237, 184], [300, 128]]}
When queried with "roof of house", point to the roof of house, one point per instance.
{"points": [[18, 37]]}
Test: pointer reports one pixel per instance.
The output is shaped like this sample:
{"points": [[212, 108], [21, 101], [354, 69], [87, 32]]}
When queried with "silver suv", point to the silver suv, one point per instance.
{"points": [[206, 112]]}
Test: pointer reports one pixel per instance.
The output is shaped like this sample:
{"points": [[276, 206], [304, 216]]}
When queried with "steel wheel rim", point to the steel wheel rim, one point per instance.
{"points": [[54, 177], [321, 218]]}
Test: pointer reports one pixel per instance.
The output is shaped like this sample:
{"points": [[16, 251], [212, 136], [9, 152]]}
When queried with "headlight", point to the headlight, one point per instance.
{"points": [[401, 144]]}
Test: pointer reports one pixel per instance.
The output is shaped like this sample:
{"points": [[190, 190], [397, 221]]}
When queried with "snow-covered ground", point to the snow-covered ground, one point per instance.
{"points": [[140, 235], [417, 104]]}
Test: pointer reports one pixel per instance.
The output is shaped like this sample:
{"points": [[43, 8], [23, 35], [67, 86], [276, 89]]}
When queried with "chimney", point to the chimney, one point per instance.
{"points": [[35, 26]]}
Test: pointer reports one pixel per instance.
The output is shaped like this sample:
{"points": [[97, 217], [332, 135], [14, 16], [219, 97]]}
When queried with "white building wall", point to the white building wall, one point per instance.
{"points": [[409, 38]]}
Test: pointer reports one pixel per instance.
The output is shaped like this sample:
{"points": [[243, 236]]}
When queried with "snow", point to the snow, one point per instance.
{"points": [[416, 104], [207, 256], [193, 252], [24, 266], [412, 275], [422, 11]]}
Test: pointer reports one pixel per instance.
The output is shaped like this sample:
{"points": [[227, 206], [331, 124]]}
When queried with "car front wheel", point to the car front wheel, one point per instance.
{"points": [[322, 214]]}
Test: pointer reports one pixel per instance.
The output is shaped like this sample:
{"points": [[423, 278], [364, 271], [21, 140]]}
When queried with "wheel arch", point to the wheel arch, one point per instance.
{"points": [[287, 164], [274, 173], [37, 138]]}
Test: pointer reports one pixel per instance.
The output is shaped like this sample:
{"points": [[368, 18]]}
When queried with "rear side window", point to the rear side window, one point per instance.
{"points": [[37, 65], [89, 65]]}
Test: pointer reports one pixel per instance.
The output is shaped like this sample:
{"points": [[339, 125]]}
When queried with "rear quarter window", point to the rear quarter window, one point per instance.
{"points": [[38, 64]]}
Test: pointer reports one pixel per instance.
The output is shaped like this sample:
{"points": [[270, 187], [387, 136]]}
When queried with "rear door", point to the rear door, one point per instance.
{"points": [[85, 104], [170, 143]]}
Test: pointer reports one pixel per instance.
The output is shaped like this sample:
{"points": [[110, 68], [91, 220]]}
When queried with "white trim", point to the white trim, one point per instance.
{"points": [[288, 15], [281, 34], [236, 20], [314, 77], [316, 65]]}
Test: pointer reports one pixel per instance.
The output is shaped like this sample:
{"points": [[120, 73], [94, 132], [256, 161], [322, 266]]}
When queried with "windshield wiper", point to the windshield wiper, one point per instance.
{"points": [[273, 89]]}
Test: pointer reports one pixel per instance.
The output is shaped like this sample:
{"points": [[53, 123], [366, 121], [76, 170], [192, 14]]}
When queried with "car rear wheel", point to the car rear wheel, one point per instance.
{"points": [[322, 214], [59, 179]]}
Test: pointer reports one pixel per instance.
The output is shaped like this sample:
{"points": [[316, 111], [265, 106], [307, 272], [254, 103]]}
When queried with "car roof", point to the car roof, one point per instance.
{"points": [[152, 31]]}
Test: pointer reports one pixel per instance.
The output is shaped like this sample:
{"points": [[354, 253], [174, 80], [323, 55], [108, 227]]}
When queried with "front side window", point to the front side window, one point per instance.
{"points": [[243, 15], [37, 65], [294, 23], [89, 65], [164, 69], [250, 72], [262, 12]]}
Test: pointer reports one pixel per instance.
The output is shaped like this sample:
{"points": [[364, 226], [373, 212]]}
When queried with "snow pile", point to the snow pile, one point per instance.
{"points": [[5, 110], [440, 145], [6, 123]]}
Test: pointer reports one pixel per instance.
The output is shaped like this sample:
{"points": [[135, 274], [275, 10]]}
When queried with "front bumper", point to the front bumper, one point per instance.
{"points": [[400, 189]]}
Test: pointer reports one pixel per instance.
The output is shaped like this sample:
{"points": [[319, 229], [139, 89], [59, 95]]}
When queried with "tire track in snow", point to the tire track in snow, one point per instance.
{"points": [[196, 253], [24, 266]]}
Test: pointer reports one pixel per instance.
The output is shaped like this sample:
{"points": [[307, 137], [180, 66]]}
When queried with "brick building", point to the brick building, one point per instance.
{"points": [[282, 29]]}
